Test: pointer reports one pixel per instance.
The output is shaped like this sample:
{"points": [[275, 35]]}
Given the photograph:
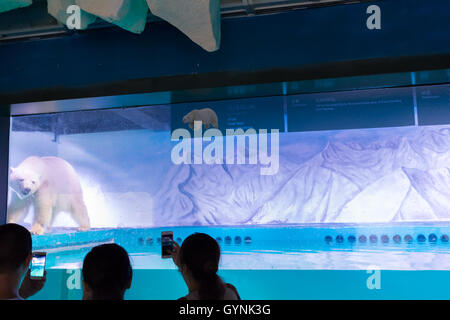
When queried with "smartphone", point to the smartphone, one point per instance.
{"points": [[166, 244], [37, 269]]}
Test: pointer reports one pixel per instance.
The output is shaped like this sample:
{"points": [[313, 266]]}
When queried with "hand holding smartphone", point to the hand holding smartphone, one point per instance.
{"points": [[35, 278], [166, 244], [175, 254], [37, 269]]}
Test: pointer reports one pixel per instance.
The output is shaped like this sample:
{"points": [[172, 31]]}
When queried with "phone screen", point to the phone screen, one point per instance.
{"points": [[38, 265], [166, 244]]}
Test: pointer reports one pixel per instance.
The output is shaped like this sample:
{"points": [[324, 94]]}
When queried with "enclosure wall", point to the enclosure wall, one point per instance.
{"points": [[4, 156]]}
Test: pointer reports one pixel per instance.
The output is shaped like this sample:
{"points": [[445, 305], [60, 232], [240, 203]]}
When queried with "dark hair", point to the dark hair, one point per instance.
{"points": [[15, 246], [201, 254], [107, 271]]}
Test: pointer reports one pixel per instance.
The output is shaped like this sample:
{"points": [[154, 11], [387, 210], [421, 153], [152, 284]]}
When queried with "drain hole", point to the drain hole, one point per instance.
{"points": [[432, 237]]}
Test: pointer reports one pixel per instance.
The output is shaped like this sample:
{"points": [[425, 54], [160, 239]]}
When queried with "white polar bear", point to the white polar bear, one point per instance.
{"points": [[207, 116], [50, 185]]}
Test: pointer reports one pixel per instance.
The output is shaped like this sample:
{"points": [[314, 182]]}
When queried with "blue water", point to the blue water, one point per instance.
{"points": [[269, 284], [270, 262]]}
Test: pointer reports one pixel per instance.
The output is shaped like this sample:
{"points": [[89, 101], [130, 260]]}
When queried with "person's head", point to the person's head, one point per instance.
{"points": [[199, 258], [107, 272], [15, 249]]}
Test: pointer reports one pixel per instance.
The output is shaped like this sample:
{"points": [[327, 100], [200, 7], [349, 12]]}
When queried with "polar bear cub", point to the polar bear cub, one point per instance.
{"points": [[50, 185], [207, 116]]}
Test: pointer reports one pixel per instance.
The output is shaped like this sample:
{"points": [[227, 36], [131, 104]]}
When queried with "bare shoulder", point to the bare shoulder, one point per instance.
{"points": [[233, 288]]}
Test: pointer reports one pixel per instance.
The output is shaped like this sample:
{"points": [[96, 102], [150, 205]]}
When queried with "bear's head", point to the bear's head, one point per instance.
{"points": [[24, 182], [189, 117]]}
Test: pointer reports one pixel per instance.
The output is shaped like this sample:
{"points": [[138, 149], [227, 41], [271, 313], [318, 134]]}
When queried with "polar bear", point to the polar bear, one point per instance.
{"points": [[50, 185], [207, 116]]}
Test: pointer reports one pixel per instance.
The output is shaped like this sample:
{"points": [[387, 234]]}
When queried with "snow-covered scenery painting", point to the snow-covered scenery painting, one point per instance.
{"points": [[354, 176], [377, 175]]}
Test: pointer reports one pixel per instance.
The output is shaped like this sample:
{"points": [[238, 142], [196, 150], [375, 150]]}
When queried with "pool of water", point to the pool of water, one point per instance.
{"points": [[293, 247]]}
